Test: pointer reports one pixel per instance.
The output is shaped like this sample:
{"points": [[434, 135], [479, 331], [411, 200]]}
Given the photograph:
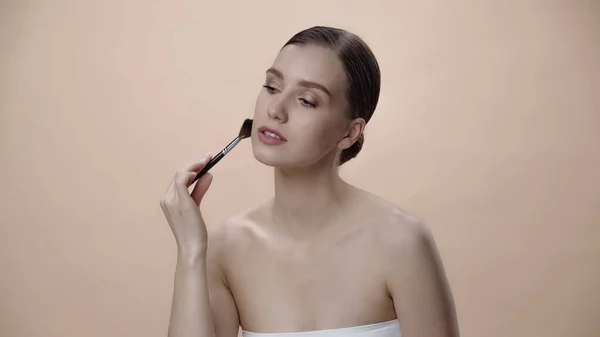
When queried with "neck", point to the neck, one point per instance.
{"points": [[308, 198]]}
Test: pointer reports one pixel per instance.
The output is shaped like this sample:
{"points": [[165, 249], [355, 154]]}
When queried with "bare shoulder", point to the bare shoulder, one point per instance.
{"points": [[234, 234], [409, 244], [404, 240], [408, 236], [414, 274], [398, 229]]}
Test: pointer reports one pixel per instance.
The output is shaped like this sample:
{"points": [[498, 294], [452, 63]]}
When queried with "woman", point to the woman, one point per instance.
{"points": [[322, 257]]}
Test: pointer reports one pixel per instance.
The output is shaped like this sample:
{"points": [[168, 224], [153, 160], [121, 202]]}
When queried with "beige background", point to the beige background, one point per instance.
{"points": [[487, 129]]}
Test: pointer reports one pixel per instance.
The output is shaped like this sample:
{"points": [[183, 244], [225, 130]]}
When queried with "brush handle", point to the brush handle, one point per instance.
{"points": [[216, 158]]}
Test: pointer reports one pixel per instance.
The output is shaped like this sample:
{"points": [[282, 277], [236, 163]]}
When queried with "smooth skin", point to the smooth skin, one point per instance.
{"points": [[321, 254]]}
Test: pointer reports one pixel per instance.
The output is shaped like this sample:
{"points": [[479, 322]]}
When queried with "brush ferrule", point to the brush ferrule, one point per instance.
{"points": [[231, 145]]}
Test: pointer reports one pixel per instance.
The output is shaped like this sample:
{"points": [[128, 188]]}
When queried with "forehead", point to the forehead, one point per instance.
{"points": [[311, 63]]}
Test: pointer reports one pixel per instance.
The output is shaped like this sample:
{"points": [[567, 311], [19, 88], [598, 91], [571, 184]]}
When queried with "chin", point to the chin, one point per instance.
{"points": [[269, 158], [280, 159], [274, 156], [281, 156]]}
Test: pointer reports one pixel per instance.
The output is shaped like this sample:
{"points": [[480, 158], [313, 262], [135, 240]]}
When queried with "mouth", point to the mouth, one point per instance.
{"points": [[270, 133]]}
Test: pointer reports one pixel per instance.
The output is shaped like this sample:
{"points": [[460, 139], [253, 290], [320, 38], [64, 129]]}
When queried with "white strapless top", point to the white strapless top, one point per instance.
{"points": [[382, 329]]}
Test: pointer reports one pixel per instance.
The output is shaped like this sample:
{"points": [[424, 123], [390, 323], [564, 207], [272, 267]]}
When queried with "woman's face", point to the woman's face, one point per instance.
{"points": [[300, 115]]}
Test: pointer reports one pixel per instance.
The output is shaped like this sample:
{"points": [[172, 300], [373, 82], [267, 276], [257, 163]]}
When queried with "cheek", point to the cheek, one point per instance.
{"points": [[260, 105], [319, 135]]}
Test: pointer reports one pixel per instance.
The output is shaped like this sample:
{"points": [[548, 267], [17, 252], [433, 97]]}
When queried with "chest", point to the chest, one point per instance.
{"points": [[280, 282]]}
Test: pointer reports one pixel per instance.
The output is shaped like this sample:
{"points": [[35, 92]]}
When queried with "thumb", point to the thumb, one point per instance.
{"points": [[201, 187]]}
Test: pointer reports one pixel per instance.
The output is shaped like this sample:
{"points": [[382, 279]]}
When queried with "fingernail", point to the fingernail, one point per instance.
{"points": [[206, 156]]}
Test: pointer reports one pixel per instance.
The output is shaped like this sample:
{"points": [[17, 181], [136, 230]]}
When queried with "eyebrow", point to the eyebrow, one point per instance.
{"points": [[303, 83]]}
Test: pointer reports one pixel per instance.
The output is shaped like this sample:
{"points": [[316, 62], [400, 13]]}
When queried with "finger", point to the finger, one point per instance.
{"points": [[183, 179], [170, 192], [197, 166], [182, 182], [201, 187]]}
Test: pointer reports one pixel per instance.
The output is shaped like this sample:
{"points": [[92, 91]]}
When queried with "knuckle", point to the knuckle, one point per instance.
{"points": [[179, 177], [163, 206], [167, 202]]}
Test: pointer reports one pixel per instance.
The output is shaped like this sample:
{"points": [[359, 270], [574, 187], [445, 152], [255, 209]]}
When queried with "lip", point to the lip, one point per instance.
{"points": [[264, 128]]}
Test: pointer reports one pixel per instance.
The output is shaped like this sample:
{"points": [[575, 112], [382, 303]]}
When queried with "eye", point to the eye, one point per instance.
{"points": [[307, 103], [270, 89]]}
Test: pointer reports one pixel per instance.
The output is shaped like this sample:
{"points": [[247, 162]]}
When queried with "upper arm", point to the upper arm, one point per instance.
{"points": [[224, 310], [418, 285]]}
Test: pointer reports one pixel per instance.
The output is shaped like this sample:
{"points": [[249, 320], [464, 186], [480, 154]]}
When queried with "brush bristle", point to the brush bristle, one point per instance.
{"points": [[246, 129]]}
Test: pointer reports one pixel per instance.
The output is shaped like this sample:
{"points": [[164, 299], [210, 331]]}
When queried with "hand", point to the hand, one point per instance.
{"points": [[182, 209]]}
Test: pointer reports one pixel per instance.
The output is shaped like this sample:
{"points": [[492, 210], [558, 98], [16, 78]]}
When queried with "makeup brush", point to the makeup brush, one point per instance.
{"points": [[245, 131]]}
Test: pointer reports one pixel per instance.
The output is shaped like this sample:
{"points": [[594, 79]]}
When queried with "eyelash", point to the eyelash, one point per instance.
{"points": [[271, 90], [303, 101], [307, 103]]}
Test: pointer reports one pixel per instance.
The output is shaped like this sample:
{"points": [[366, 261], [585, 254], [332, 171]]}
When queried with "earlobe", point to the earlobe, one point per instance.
{"points": [[345, 143], [348, 144]]}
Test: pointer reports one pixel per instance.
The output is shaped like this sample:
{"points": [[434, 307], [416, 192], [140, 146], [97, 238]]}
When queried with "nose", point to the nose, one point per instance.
{"points": [[277, 109]]}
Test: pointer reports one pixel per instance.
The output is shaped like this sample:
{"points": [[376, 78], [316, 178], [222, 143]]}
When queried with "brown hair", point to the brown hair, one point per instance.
{"points": [[362, 73]]}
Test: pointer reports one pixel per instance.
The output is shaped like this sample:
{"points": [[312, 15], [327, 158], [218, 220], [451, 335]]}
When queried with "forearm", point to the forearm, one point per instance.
{"points": [[191, 314]]}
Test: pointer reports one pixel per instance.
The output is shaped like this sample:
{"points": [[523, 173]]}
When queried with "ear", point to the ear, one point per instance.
{"points": [[354, 129]]}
